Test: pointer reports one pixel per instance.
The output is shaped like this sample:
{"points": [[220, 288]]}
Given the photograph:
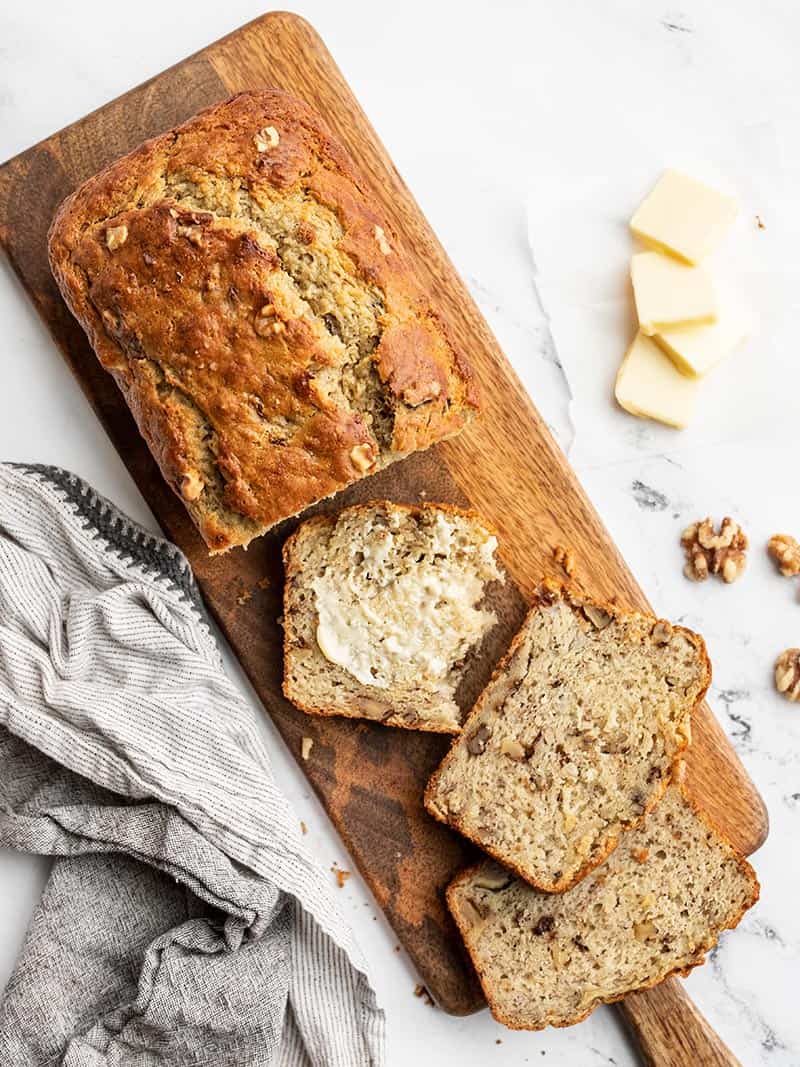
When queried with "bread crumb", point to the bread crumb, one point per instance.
{"points": [[422, 992], [760, 223], [305, 747], [244, 596], [397, 948], [263, 583], [498, 1041], [340, 875], [303, 827]]}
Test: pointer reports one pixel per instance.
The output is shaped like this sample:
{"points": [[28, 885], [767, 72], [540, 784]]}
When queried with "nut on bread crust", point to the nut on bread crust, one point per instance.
{"points": [[488, 827], [467, 877], [257, 313]]}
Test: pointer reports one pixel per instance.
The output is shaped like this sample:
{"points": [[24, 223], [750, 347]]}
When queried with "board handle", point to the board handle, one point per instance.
{"points": [[670, 1030]]}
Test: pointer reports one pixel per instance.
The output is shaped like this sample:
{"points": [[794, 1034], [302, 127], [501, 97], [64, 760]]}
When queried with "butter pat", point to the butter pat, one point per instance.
{"points": [[648, 385], [683, 217], [669, 294], [695, 350]]}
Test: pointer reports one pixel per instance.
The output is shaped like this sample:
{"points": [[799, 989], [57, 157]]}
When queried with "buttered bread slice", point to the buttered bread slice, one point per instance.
{"points": [[574, 739], [382, 607], [653, 909]]}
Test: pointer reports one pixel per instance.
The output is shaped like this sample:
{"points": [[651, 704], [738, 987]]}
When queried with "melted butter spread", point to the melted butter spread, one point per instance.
{"points": [[404, 608]]}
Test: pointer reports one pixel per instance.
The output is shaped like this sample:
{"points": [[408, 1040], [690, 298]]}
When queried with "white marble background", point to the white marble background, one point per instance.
{"points": [[479, 104]]}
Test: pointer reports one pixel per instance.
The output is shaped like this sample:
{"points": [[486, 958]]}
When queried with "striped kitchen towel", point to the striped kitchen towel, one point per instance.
{"points": [[183, 923]]}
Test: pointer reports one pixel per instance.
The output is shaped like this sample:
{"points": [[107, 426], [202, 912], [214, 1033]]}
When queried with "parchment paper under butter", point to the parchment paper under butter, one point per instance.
{"points": [[578, 213]]}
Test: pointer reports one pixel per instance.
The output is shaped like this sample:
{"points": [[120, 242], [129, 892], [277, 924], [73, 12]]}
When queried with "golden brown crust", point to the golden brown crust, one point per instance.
{"points": [[226, 367], [291, 569], [548, 592], [465, 931]]}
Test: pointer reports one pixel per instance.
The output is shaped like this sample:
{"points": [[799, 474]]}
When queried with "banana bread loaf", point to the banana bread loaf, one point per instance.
{"points": [[256, 311], [574, 739], [382, 607], [653, 909]]}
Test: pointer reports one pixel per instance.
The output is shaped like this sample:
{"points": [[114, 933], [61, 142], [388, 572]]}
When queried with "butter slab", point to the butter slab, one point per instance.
{"points": [[683, 217], [649, 385], [695, 350], [669, 294]]}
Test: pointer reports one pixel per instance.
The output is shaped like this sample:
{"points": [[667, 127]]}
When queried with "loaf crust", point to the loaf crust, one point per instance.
{"points": [[324, 688], [435, 797], [257, 313], [749, 893]]}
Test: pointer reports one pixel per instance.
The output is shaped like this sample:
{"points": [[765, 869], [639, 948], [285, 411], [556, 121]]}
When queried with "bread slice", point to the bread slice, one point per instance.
{"points": [[574, 739], [653, 909], [381, 610]]}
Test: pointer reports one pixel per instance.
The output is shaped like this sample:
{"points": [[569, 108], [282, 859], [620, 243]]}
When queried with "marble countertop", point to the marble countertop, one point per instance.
{"points": [[475, 102]]}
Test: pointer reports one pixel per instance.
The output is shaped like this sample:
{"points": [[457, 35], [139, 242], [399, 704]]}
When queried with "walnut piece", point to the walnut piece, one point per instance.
{"points": [[644, 931], [708, 552], [266, 139], [787, 674], [266, 322], [192, 485], [383, 244], [116, 236], [786, 553], [565, 559], [596, 616], [492, 878], [513, 749], [661, 632], [476, 745], [362, 457]]}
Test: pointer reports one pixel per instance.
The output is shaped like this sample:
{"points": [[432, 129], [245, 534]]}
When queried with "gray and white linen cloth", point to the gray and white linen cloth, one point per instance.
{"points": [[183, 923]]}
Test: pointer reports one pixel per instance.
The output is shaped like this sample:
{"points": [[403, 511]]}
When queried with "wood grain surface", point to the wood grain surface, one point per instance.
{"points": [[369, 778], [671, 1032]]}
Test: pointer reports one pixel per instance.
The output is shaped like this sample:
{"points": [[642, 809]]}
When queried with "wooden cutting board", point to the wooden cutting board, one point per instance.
{"points": [[369, 778]]}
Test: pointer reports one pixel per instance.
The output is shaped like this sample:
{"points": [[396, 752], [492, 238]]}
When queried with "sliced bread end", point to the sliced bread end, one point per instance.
{"points": [[654, 909]]}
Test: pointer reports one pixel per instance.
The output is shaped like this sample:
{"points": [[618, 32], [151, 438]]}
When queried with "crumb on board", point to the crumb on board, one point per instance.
{"points": [[303, 827], [397, 948], [340, 875], [421, 992], [244, 596], [263, 583], [305, 747], [760, 223], [498, 1041]]}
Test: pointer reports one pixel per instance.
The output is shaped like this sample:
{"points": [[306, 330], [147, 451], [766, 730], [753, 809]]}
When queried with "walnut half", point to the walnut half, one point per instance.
{"points": [[786, 553], [787, 674], [708, 552]]}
